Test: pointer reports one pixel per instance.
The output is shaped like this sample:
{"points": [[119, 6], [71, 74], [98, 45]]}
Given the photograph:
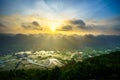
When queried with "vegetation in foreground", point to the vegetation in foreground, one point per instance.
{"points": [[102, 67]]}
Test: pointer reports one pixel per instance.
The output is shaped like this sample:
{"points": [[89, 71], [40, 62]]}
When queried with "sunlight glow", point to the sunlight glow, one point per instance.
{"points": [[53, 27]]}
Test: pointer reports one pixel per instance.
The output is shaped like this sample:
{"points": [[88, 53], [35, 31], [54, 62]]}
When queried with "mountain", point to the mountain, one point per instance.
{"points": [[10, 44], [104, 67]]}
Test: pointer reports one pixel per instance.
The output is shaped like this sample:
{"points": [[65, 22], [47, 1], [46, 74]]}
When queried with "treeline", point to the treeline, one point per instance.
{"points": [[104, 67]]}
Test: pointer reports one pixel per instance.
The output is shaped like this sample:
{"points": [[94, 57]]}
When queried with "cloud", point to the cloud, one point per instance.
{"points": [[106, 26], [79, 23], [33, 25], [110, 25], [114, 19], [117, 28], [2, 25], [115, 23], [57, 42], [3, 28], [26, 26], [66, 28]]}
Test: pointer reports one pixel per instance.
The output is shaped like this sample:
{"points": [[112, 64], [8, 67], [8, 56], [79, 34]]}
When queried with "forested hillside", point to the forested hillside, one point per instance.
{"points": [[104, 67]]}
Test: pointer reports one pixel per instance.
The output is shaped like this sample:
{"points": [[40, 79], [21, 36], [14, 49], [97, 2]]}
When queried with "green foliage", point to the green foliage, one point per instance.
{"points": [[104, 67]]}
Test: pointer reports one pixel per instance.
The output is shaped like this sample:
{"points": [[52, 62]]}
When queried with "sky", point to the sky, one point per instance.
{"points": [[60, 16]]}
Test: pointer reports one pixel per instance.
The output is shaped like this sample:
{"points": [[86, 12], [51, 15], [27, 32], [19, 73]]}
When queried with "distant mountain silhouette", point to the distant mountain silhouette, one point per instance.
{"points": [[20, 42]]}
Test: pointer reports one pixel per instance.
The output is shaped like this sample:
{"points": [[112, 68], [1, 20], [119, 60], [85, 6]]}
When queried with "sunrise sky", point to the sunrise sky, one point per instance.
{"points": [[60, 16]]}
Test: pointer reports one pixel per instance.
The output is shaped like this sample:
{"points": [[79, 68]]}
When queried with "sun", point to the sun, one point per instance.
{"points": [[53, 27]]}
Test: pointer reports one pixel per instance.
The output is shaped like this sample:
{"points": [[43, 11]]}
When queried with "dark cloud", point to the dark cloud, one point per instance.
{"points": [[2, 25], [115, 22], [117, 27], [64, 42], [34, 25], [114, 19], [66, 28], [26, 26], [79, 23], [2, 28], [112, 24]]}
